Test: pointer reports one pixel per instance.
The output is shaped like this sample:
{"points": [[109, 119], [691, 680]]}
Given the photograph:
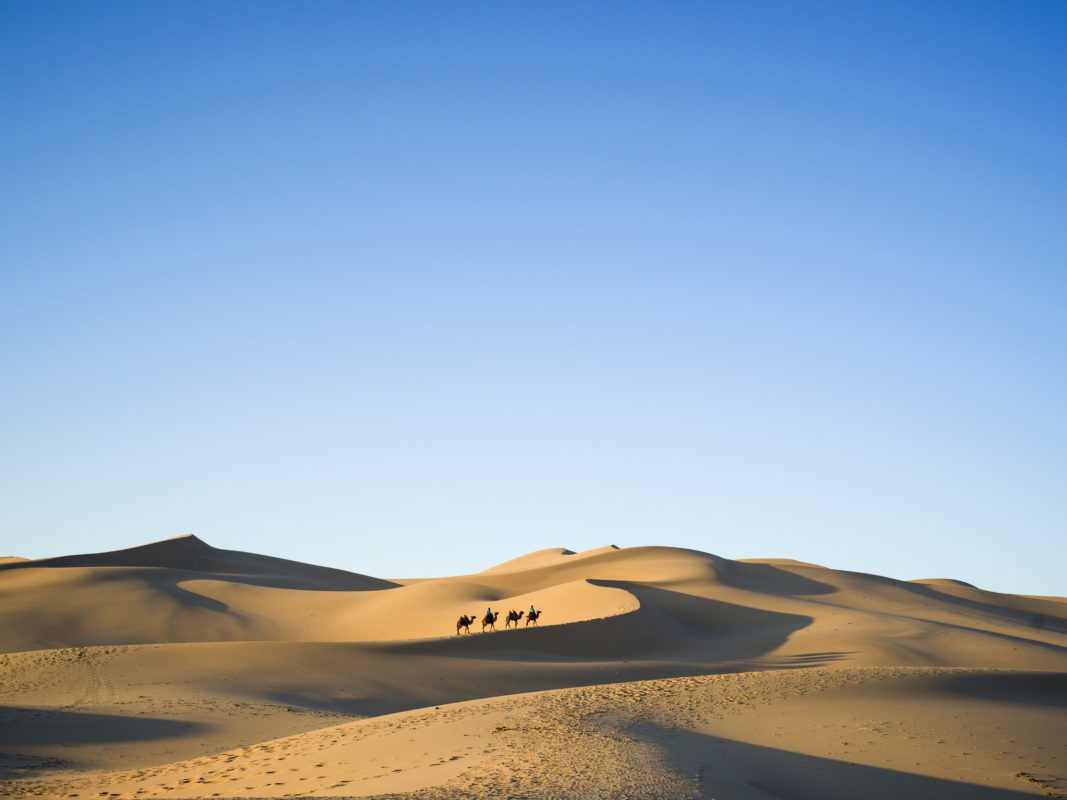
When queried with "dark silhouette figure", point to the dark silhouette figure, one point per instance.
{"points": [[464, 623], [533, 616], [490, 620], [513, 616]]}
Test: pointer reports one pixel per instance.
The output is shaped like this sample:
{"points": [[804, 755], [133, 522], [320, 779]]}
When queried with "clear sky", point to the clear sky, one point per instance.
{"points": [[411, 289]]}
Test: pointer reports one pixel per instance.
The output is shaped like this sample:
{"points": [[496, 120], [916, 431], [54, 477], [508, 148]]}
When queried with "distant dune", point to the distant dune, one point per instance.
{"points": [[177, 669], [190, 554]]}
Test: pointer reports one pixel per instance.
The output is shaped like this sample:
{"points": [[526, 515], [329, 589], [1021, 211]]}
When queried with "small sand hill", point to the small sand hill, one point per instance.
{"points": [[178, 669]]}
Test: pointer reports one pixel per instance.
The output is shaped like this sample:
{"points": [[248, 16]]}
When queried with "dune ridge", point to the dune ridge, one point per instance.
{"points": [[222, 673]]}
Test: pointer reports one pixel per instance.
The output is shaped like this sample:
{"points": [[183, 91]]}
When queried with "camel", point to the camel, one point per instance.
{"points": [[464, 623], [513, 616], [490, 620], [533, 616]]}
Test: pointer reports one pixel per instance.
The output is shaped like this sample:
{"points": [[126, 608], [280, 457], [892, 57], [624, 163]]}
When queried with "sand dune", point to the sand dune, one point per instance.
{"points": [[190, 554], [177, 669]]}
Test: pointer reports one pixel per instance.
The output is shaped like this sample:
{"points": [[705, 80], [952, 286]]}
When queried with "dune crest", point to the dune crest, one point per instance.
{"points": [[538, 558]]}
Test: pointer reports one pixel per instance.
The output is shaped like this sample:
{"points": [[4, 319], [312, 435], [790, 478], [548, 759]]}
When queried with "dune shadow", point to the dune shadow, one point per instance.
{"points": [[688, 619], [29, 727], [167, 582], [1026, 617], [1007, 637], [1045, 689], [728, 768], [260, 571], [20, 765], [769, 579], [668, 624], [817, 659], [355, 707]]}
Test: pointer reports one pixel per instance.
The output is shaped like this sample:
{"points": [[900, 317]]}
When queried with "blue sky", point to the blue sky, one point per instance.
{"points": [[413, 288]]}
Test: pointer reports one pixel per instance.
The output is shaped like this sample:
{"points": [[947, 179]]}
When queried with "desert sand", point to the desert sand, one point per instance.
{"points": [[180, 670]]}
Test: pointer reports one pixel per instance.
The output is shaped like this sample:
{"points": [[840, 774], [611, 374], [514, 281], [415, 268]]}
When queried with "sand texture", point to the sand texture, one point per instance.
{"points": [[183, 671]]}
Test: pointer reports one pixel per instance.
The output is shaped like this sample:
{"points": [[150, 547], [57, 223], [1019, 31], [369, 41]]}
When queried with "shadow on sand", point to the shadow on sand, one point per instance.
{"points": [[668, 625], [740, 771], [768, 579], [1045, 689], [811, 659], [1027, 617], [28, 727]]}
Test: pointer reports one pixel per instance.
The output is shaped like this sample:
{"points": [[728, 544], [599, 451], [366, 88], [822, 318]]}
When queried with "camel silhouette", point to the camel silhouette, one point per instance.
{"points": [[513, 616], [533, 616], [464, 623], [490, 620]]}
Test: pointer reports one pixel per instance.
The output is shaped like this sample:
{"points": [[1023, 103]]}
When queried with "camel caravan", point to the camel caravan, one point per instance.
{"points": [[490, 618]]}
